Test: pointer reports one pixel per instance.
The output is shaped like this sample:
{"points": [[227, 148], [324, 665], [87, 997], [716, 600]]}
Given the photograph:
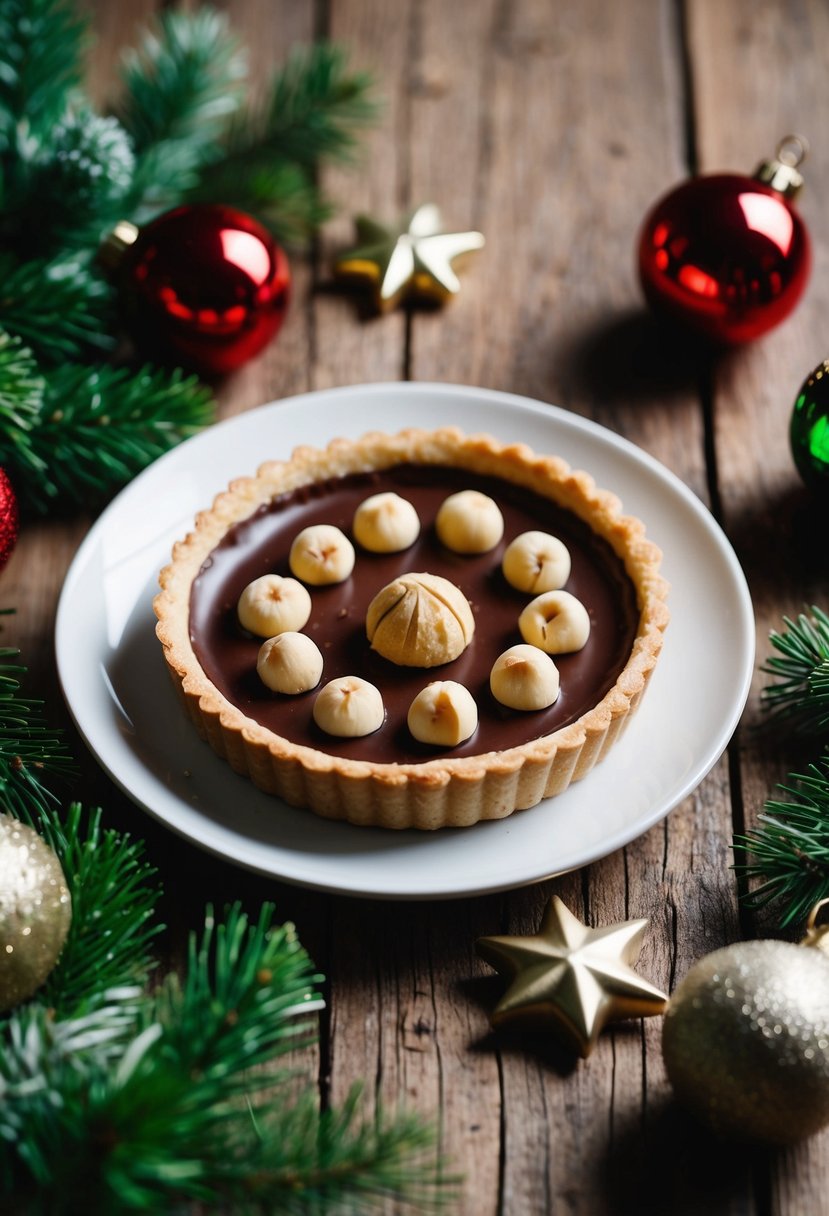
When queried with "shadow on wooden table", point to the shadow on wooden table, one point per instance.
{"points": [[674, 1165], [485, 991], [776, 535], [634, 357]]}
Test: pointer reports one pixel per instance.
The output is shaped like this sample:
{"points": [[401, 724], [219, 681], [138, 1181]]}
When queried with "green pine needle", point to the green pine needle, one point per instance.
{"points": [[340, 1162], [47, 1066], [68, 194], [21, 401], [280, 195], [171, 1114], [29, 748], [271, 152], [800, 697], [312, 110], [43, 43], [76, 434], [21, 391], [100, 426], [248, 987], [789, 850], [114, 898], [181, 86], [60, 309]]}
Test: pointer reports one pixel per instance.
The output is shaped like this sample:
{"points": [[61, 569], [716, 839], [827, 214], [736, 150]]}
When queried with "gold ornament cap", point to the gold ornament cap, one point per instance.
{"points": [[115, 244], [782, 171], [816, 935]]}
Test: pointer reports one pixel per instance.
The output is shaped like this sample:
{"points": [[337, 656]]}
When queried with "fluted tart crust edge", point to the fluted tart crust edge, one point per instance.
{"points": [[444, 792]]}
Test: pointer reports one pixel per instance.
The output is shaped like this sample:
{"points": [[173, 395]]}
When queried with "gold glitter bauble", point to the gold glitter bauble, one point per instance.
{"points": [[35, 911], [746, 1041]]}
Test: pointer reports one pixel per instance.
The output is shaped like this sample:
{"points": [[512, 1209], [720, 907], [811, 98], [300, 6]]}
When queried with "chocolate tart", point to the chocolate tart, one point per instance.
{"points": [[387, 779]]}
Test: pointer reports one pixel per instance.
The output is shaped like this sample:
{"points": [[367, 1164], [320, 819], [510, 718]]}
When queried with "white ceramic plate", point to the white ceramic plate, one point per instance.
{"points": [[118, 691]]}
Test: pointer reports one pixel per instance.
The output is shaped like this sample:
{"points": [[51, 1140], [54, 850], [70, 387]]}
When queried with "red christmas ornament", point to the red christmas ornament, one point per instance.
{"points": [[9, 519], [205, 285], [728, 255]]}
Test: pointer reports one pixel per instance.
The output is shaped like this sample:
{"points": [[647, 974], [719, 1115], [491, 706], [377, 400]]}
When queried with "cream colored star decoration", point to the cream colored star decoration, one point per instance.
{"points": [[413, 258], [571, 979]]}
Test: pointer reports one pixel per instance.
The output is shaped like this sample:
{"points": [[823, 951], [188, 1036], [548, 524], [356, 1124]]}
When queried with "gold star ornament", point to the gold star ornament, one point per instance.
{"points": [[411, 259], [571, 979]]}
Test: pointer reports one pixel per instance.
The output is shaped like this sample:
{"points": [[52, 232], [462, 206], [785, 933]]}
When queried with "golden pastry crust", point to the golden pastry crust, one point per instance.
{"points": [[444, 792]]}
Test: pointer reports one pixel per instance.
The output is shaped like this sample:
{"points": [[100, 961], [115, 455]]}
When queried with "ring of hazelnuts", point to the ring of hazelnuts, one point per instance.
{"points": [[418, 620]]}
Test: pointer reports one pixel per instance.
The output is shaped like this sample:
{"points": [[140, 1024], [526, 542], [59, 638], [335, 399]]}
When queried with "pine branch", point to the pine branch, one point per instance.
{"points": [[47, 1065], [789, 850], [180, 88], [100, 426], [271, 153], [21, 391], [61, 309], [313, 108], [42, 61], [29, 748], [800, 698], [245, 988], [70, 190], [21, 400], [160, 1125], [281, 196], [145, 1124], [114, 898], [340, 1162]]}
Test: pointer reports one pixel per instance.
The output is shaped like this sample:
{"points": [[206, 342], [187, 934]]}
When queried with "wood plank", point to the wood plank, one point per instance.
{"points": [[576, 153], [268, 31], [779, 87], [114, 28], [350, 345], [484, 161]]}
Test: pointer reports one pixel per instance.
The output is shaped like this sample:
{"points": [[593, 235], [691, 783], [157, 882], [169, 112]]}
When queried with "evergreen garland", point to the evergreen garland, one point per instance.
{"points": [[83, 430], [181, 129], [28, 748], [788, 852], [116, 1099]]}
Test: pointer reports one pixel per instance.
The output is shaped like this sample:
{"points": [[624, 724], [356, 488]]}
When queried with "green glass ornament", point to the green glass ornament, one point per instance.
{"points": [[809, 431]]}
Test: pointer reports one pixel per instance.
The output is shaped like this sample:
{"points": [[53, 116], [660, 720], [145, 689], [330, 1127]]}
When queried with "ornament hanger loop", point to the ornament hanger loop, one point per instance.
{"points": [[792, 150], [813, 915]]}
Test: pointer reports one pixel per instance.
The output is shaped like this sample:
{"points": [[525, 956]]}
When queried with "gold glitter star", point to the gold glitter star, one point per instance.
{"points": [[570, 978], [413, 258]]}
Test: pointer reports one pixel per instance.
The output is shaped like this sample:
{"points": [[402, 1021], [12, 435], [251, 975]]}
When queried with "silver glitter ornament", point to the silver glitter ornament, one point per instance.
{"points": [[35, 911], [746, 1039]]}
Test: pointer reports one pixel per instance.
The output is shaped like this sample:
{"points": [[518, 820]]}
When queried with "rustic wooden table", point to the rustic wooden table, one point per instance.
{"points": [[552, 128]]}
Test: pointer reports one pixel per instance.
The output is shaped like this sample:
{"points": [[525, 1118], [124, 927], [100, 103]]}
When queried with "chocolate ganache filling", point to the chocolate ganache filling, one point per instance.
{"points": [[261, 544]]}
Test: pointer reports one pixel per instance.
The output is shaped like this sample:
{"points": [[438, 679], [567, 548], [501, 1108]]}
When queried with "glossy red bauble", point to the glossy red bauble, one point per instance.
{"points": [[725, 255], [9, 519], [205, 285]]}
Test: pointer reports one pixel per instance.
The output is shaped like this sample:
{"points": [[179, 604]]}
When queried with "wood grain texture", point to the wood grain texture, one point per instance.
{"points": [[779, 87], [552, 128]]}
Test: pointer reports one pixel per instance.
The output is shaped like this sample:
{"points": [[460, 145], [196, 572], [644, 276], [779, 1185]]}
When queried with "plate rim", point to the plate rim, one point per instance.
{"points": [[511, 401]]}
